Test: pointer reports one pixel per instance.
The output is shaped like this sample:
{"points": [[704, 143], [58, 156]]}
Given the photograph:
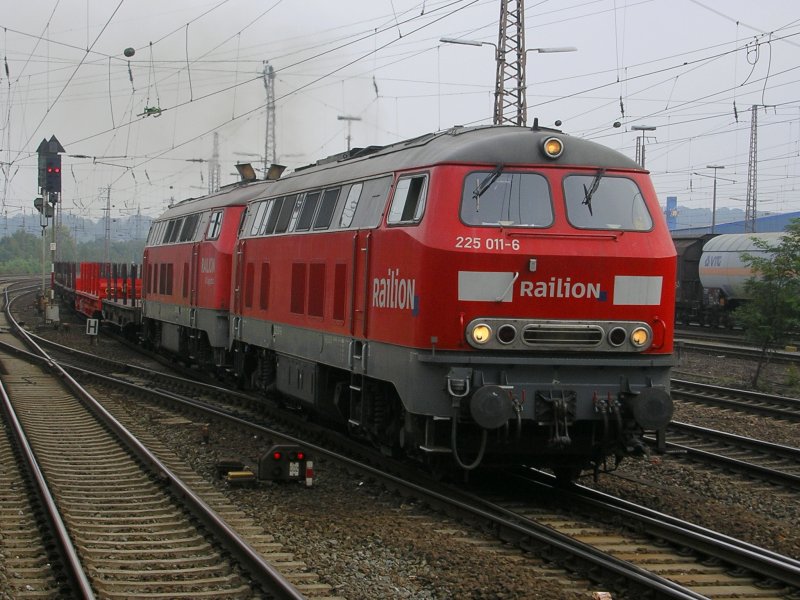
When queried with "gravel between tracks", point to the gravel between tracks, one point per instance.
{"points": [[368, 543]]}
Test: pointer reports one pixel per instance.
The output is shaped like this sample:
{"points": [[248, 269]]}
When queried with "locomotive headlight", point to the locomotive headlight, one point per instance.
{"points": [[553, 147], [481, 333], [640, 337]]}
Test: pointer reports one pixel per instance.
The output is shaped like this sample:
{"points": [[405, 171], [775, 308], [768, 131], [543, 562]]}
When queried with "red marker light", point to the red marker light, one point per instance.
{"points": [[276, 456], [301, 456]]}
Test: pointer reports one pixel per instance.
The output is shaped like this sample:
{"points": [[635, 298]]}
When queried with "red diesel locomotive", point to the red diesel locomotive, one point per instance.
{"points": [[186, 274], [488, 295]]}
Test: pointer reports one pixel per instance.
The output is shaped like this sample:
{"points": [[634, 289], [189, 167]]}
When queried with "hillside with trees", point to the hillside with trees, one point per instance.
{"points": [[21, 252]]}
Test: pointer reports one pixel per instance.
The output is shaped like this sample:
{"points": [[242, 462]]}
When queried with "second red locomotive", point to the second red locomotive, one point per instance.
{"points": [[487, 295]]}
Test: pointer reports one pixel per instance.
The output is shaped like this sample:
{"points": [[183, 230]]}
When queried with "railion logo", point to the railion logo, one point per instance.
{"points": [[558, 287], [394, 291]]}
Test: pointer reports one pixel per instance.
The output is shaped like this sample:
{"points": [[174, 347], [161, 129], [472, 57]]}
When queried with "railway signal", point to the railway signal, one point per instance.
{"points": [[49, 152], [286, 462], [43, 207], [52, 177]]}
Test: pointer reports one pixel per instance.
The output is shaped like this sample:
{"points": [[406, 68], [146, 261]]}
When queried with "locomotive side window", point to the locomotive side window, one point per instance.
{"points": [[160, 233], [168, 232], [214, 225], [258, 220], [599, 202], [176, 230], [275, 212], [298, 206], [409, 200], [309, 208], [503, 199], [287, 210], [189, 227], [325, 214], [349, 210], [372, 202]]}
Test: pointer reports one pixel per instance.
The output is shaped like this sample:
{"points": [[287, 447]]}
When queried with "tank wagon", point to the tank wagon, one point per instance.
{"points": [[712, 275]]}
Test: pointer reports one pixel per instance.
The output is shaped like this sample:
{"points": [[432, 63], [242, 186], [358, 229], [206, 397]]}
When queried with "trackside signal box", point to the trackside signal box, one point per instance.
{"points": [[286, 462]]}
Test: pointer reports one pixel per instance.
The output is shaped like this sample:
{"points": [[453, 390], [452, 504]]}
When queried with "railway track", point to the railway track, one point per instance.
{"points": [[126, 525], [756, 459], [649, 567], [704, 561], [731, 347], [779, 407], [646, 564]]}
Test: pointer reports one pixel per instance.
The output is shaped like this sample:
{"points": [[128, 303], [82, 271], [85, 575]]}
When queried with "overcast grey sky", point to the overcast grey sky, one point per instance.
{"points": [[691, 68]]}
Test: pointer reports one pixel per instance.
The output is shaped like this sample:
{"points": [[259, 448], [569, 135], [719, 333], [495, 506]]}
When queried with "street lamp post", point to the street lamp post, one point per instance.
{"points": [[499, 89], [714, 200], [640, 142]]}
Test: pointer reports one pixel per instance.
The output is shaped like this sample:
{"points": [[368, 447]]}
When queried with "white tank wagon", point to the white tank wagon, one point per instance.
{"points": [[721, 264]]}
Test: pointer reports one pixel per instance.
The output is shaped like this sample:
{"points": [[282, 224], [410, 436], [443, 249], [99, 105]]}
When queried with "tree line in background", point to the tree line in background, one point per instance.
{"points": [[21, 252]]}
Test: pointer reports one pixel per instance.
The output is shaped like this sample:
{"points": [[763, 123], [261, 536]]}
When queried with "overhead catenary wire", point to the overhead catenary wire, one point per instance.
{"points": [[196, 68]]}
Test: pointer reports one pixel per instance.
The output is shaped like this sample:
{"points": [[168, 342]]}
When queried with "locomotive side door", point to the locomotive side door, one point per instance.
{"points": [[194, 274], [359, 286], [238, 281]]}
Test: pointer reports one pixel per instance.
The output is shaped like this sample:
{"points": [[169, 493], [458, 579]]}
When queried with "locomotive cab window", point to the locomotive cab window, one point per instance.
{"points": [[409, 200], [214, 225], [602, 202], [506, 199]]}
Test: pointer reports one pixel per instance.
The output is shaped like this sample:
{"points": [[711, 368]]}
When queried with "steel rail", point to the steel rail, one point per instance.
{"points": [[267, 576], [527, 535], [75, 573]]}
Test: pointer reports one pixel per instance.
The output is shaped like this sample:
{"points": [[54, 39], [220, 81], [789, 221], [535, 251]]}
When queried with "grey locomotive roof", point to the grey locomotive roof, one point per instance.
{"points": [[489, 145], [227, 196]]}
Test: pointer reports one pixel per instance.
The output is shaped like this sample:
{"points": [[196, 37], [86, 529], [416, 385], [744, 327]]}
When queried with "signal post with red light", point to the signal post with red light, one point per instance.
{"points": [[286, 462]]}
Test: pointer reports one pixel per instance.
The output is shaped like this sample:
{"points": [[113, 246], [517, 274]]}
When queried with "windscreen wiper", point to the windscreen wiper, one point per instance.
{"points": [[484, 185], [588, 193]]}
